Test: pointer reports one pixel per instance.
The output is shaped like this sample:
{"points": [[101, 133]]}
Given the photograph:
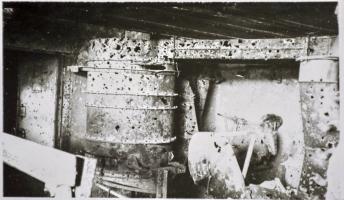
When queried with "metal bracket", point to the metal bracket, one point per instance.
{"points": [[74, 68], [22, 110], [21, 133]]}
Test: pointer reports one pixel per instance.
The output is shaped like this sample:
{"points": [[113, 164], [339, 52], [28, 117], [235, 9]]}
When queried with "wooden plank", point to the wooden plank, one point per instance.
{"points": [[161, 184], [145, 184], [88, 173], [52, 166], [248, 156], [120, 186], [107, 189]]}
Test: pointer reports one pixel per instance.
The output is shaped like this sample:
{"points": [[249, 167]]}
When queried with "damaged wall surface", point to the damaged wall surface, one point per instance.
{"points": [[38, 99]]}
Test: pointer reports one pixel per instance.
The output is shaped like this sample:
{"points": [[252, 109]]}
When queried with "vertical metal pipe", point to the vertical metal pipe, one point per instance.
{"points": [[320, 114]]}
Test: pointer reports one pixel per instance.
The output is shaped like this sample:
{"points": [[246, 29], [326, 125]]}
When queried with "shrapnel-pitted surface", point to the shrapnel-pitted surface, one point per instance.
{"points": [[130, 109], [130, 126], [320, 117], [167, 50], [132, 50], [252, 49], [132, 105], [131, 83]]}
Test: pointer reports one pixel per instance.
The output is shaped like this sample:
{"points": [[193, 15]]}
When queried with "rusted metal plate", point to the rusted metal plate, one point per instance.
{"points": [[130, 126], [131, 83], [130, 101]]}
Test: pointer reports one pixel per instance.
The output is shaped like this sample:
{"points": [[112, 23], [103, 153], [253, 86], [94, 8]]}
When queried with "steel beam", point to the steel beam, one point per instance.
{"points": [[252, 49]]}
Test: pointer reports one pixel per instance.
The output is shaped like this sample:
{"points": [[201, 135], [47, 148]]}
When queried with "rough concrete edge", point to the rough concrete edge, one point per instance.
{"points": [[336, 163]]}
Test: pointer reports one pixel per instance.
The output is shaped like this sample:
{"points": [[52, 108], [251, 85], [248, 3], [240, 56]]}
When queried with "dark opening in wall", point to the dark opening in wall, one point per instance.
{"points": [[10, 85]]}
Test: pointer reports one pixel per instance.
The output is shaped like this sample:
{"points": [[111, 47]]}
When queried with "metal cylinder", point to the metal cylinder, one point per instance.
{"points": [[130, 107], [320, 115], [130, 112]]}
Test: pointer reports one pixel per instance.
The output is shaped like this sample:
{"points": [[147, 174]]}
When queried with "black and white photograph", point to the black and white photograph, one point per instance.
{"points": [[175, 99]]}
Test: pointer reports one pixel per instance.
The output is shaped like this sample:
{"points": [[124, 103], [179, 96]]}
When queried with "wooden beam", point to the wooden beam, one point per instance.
{"points": [[171, 27], [108, 189], [243, 20], [161, 184], [299, 20], [179, 19], [240, 23], [87, 177], [41, 162]]}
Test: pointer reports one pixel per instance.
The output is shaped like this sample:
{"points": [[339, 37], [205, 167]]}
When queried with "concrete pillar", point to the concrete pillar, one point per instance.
{"points": [[319, 94]]}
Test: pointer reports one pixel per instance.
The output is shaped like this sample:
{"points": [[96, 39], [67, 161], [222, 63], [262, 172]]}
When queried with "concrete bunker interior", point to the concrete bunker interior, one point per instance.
{"points": [[63, 101]]}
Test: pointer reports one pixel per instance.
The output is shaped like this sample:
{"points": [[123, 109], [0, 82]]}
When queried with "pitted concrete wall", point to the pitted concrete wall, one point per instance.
{"points": [[37, 98]]}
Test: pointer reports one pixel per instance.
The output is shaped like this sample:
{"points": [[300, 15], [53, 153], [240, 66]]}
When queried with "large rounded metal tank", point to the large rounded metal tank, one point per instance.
{"points": [[130, 104]]}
